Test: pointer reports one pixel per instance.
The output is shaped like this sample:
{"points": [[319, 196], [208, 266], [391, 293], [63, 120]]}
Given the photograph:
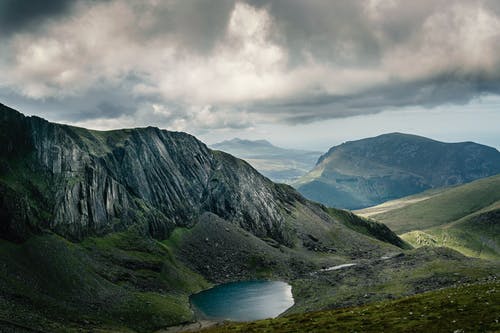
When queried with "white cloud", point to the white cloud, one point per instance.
{"points": [[250, 63]]}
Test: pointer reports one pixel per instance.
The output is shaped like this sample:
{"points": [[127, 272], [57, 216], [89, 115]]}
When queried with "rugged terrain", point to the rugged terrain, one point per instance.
{"points": [[112, 231], [367, 172], [118, 228], [279, 164], [465, 218]]}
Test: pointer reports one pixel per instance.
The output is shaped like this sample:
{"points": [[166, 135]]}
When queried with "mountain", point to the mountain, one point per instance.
{"points": [[113, 231], [465, 218], [279, 164], [78, 183], [367, 172], [116, 229]]}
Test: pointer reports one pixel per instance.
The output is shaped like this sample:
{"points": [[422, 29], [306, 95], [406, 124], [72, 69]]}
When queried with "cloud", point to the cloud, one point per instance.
{"points": [[20, 15], [198, 64]]}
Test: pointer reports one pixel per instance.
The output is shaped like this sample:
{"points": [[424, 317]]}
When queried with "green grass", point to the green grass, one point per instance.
{"points": [[464, 308], [416, 271], [465, 218], [175, 238], [124, 282], [367, 227], [443, 208], [469, 236]]}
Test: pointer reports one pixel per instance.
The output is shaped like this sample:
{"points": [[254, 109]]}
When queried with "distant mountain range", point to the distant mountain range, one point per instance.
{"points": [[465, 218], [370, 171], [278, 164]]}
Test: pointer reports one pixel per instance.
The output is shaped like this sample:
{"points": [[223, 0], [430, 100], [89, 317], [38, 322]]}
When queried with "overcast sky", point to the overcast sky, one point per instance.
{"points": [[306, 74]]}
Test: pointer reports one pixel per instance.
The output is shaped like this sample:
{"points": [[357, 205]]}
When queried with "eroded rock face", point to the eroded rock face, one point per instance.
{"points": [[95, 182]]}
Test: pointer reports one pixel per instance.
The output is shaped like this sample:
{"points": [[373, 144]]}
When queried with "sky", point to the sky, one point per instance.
{"points": [[302, 74]]}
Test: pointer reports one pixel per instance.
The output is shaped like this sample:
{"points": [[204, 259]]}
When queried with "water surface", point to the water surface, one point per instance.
{"points": [[244, 301]]}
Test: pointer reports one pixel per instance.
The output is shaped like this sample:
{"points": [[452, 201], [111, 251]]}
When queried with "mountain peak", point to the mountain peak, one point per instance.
{"points": [[369, 171]]}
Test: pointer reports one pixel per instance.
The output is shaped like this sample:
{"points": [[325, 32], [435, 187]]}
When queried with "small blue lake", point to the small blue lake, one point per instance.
{"points": [[244, 301]]}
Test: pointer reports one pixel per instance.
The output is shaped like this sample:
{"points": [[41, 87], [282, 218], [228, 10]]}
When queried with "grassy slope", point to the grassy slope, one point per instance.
{"points": [[412, 272], [367, 227], [463, 308], [399, 203], [465, 218], [120, 282]]}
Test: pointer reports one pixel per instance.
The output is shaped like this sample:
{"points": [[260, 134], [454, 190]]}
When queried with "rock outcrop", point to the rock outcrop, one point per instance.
{"points": [[84, 182]]}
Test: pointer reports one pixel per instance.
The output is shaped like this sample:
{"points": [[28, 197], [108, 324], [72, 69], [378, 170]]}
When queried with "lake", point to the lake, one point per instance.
{"points": [[244, 301]]}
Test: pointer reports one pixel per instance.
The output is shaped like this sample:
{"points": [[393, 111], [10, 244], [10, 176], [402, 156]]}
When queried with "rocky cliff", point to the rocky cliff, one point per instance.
{"points": [[79, 182]]}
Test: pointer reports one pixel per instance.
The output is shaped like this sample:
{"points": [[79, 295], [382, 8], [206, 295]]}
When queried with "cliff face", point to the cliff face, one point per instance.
{"points": [[367, 172], [79, 182]]}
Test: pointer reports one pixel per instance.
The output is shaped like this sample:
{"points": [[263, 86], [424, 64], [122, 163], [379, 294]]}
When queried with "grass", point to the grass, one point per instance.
{"points": [[464, 218], [443, 208], [123, 282], [468, 241], [367, 227], [414, 272], [175, 238], [463, 308]]}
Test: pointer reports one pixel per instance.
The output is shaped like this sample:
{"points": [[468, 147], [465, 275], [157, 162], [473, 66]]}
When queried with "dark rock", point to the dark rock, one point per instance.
{"points": [[98, 182]]}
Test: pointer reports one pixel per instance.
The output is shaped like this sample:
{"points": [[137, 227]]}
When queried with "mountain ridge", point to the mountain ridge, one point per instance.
{"points": [[366, 172], [78, 183], [110, 151]]}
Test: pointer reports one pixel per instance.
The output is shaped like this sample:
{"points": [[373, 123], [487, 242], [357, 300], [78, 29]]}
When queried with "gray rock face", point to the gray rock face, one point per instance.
{"points": [[81, 182], [367, 172]]}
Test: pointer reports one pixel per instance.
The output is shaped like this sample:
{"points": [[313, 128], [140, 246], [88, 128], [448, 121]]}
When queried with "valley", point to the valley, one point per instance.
{"points": [[465, 218], [114, 231], [278, 164]]}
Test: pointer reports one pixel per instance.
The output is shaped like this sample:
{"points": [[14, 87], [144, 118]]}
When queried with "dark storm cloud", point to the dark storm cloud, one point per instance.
{"points": [[282, 60], [195, 24], [323, 28], [18, 15], [105, 101], [428, 93]]}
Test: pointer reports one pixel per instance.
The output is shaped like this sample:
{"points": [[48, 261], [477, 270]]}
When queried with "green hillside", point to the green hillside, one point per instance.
{"points": [[363, 173], [122, 282], [465, 218]]}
